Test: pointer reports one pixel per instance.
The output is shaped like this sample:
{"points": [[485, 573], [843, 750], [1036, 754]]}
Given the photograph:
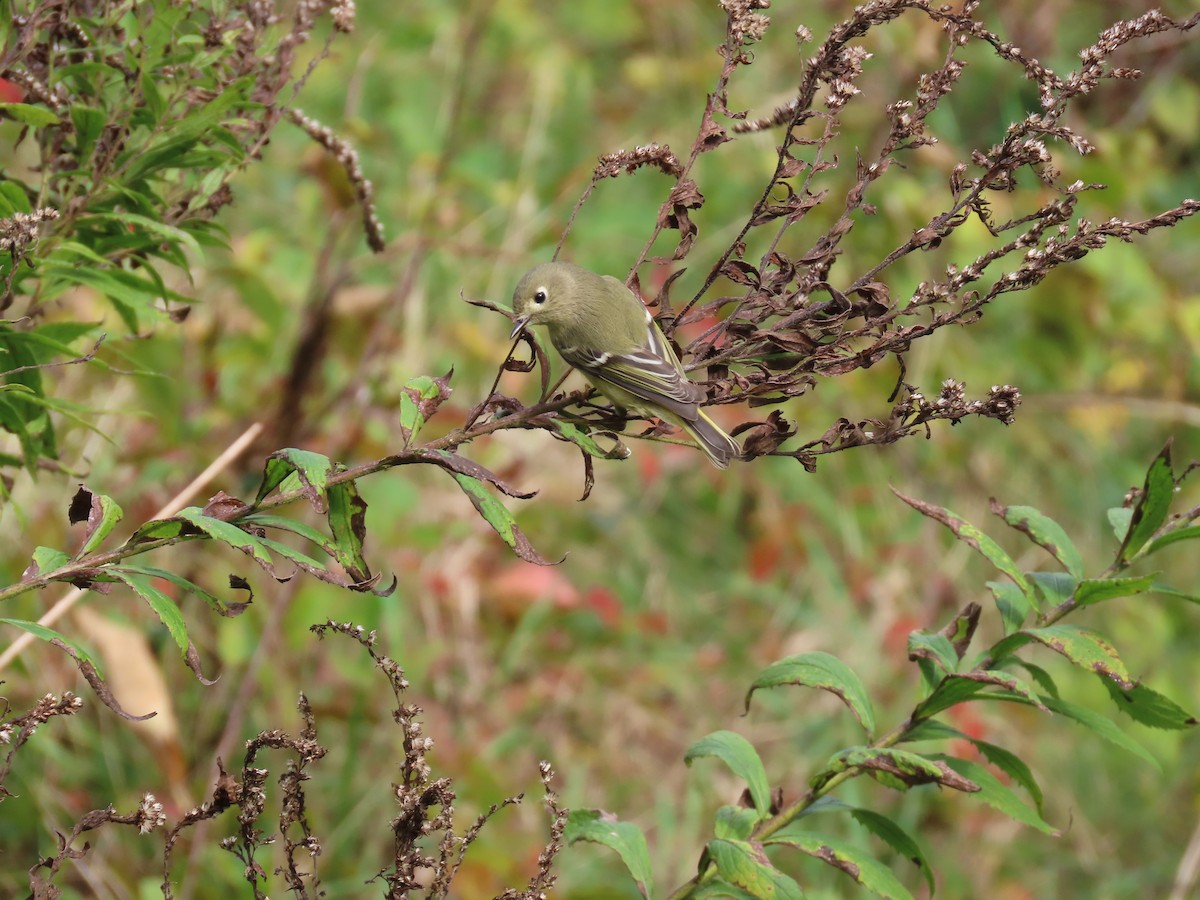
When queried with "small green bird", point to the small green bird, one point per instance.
{"points": [[602, 329]]}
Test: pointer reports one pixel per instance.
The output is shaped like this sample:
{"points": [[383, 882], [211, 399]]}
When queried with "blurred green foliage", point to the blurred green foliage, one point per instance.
{"points": [[479, 124]]}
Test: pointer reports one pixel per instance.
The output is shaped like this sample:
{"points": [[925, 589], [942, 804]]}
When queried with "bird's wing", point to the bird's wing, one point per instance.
{"points": [[651, 373]]}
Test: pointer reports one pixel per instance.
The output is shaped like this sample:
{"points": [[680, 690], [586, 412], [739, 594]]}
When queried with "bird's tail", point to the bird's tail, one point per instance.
{"points": [[719, 447]]}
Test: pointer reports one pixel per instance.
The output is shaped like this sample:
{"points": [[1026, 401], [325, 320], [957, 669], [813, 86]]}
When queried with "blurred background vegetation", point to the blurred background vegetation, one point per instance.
{"points": [[479, 124]]}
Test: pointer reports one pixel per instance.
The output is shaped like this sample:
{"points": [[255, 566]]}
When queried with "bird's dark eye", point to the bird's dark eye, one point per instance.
{"points": [[539, 297]]}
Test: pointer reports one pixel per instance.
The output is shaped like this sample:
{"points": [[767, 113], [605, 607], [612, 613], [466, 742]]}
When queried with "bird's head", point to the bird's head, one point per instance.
{"points": [[546, 295]]}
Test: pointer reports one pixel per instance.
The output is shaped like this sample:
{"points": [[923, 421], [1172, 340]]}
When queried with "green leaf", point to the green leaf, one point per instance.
{"points": [[846, 857], [1096, 590], [46, 559], [934, 647], [1167, 590], [741, 757], [973, 538], [37, 116], [883, 827], [189, 587], [735, 822], [993, 792], [1097, 723], [294, 526], [1186, 533], [49, 635], [1012, 766], [824, 672], [625, 838], [348, 524], [1150, 708], [164, 607], [158, 230], [14, 196], [902, 766], [1044, 532], [1038, 674], [1053, 588], [587, 443], [103, 515], [419, 400], [228, 533], [958, 688], [1152, 507], [158, 530], [1014, 605], [497, 515], [1085, 649], [1120, 518], [718, 888], [89, 123], [746, 866], [313, 470], [898, 839]]}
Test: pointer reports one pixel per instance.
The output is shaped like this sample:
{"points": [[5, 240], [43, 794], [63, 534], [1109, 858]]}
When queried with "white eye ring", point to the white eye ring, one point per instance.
{"points": [[539, 296]]}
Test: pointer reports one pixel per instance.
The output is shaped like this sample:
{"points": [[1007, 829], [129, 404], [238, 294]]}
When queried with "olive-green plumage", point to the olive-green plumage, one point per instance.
{"points": [[602, 329]]}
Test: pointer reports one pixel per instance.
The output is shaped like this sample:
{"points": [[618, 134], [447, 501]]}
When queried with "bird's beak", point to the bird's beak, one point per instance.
{"points": [[519, 325]]}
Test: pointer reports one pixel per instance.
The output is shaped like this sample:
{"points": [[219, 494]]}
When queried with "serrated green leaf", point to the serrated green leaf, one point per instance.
{"points": [[1084, 648], [1047, 534], [497, 515], [848, 858], [48, 634], [1040, 676], [898, 839], [883, 827], [902, 766], [993, 792], [37, 116], [1102, 726], [1152, 507], [164, 607], [294, 526], [230, 534], [599, 827], [747, 866], [1150, 708], [1097, 590], [973, 538], [189, 587], [824, 672], [741, 757]]}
